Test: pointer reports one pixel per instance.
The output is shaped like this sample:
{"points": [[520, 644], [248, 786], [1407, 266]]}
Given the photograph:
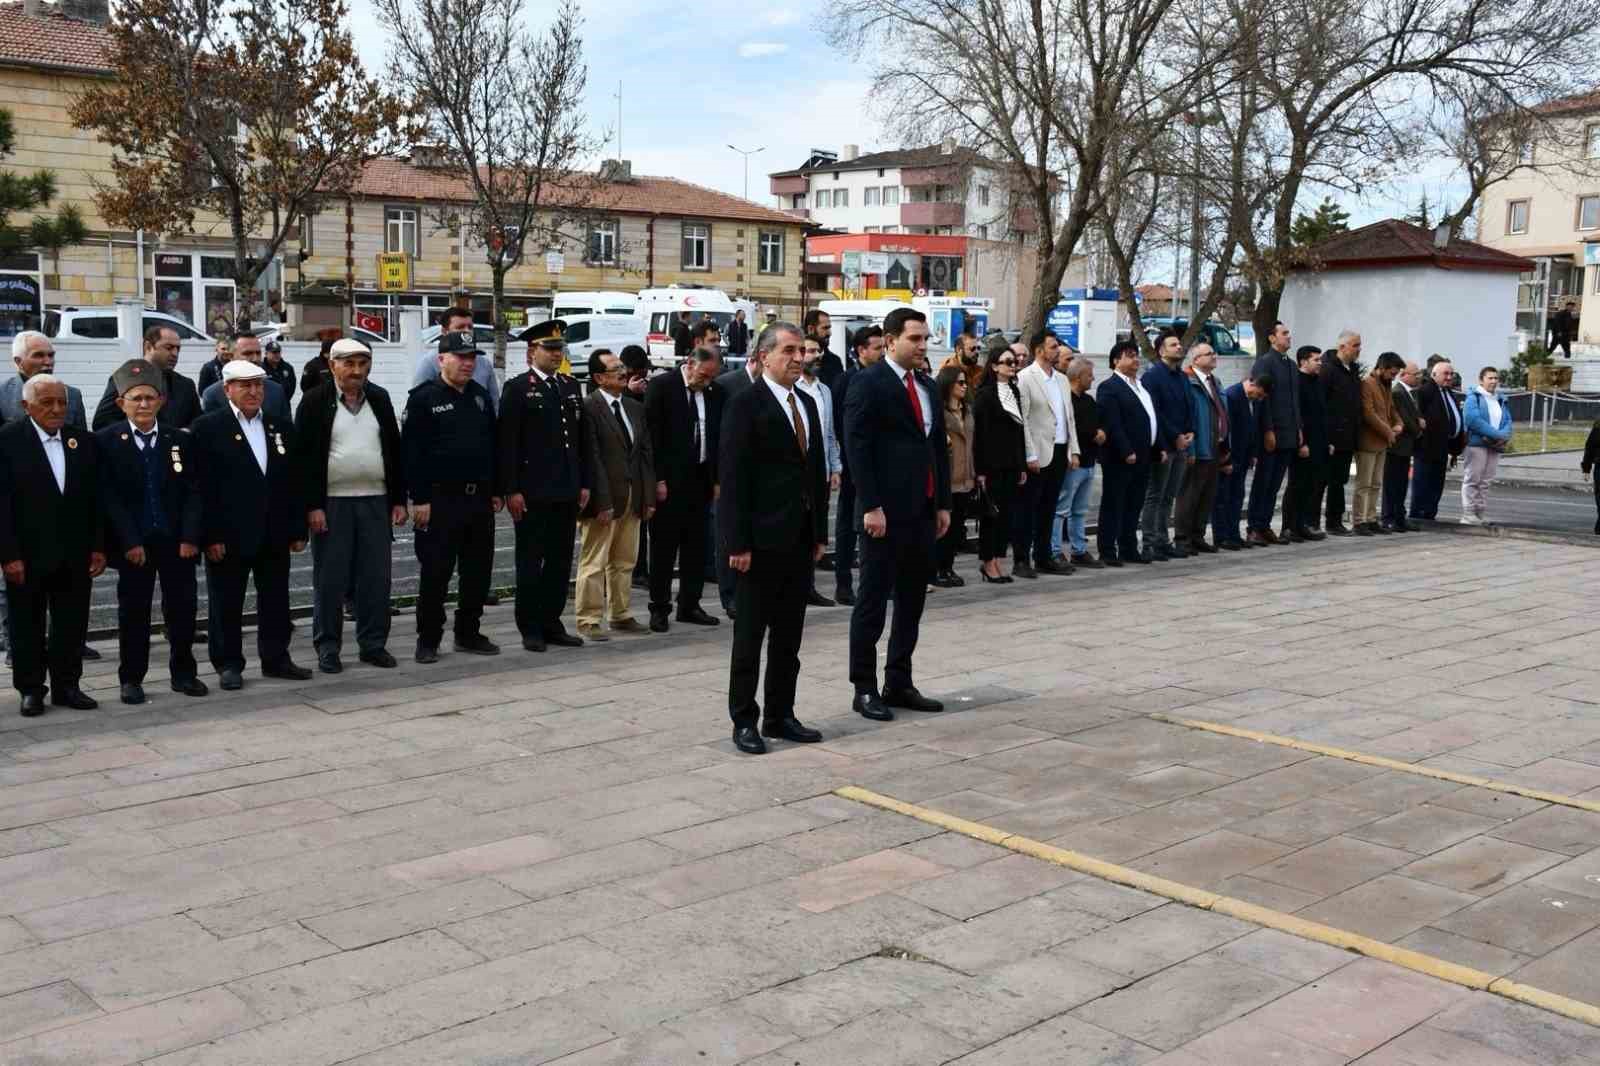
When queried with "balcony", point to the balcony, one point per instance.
{"points": [[790, 184], [801, 213], [1023, 220], [913, 177], [933, 214]]}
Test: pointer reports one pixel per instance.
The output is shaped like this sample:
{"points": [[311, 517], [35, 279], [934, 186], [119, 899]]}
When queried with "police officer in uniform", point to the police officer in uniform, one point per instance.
{"points": [[152, 516], [449, 445], [544, 477]]}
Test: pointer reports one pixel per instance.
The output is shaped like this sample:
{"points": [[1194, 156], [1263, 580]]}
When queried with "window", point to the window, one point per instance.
{"points": [[983, 232], [696, 246], [891, 196], [870, 229], [400, 230], [95, 327], [603, 242], [1525, 152], [305, 235], [1517, 216], [770, 250], [841, 198], [941, 272], [1589, 212], [799, 201], [870, 196], [983, 196], [824, 198], [1591, 140], [891, 229], [577, 333]]}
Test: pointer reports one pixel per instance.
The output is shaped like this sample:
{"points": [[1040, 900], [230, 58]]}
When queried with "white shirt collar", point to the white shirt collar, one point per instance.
{"points": [[43, 436], [243, 421], [540, 374], [899, 371], [135, 429], [1131, 379], [782, 392]]}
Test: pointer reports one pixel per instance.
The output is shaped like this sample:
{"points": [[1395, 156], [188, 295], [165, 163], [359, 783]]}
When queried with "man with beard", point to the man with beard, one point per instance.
{"points": [[833, 463], [182, 403]]}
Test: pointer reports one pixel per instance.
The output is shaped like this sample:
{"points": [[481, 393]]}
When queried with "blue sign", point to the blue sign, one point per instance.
{"points": [[1063, 322], [1090, 294]]}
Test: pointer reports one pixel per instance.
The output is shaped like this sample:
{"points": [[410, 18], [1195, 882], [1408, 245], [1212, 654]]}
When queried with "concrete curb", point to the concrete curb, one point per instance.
{"points": [[1542, 536]]}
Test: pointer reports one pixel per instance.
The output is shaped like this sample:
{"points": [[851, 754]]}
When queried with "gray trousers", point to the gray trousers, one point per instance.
{"points": [[357, 545], [1166, 480]]}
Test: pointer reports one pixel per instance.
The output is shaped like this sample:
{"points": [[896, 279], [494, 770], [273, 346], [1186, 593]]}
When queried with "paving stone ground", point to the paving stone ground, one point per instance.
{"points": [[561, 858]]}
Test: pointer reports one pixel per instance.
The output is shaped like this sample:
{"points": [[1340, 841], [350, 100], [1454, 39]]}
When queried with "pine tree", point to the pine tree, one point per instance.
{"points": [[1328, 219], [32, 192], [1422, 216]]}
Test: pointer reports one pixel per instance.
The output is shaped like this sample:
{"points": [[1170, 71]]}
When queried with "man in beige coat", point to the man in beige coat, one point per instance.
{"points": [[622, 495], [1380, 428], [1051, 434]]}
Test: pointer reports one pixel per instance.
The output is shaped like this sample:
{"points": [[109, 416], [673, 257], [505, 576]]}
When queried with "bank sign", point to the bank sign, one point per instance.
{"points": [[1063, 322]]}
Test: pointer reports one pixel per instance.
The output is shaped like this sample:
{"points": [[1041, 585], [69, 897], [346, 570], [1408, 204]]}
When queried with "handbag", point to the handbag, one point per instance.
{"points": [[983, 504]]}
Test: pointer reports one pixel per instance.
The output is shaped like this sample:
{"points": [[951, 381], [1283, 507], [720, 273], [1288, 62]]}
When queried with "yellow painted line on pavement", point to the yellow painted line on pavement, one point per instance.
{"points": [[1399, 765], [1204, 899]]}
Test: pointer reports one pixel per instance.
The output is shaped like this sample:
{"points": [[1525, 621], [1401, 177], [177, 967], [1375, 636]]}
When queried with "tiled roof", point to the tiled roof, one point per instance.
{"points": [[1589, 101], [642, 195], [51, 41], [1393, 242], [931, 156]]}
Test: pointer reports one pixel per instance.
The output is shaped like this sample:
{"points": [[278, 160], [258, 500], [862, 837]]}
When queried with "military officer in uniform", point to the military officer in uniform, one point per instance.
{"points": [[544, 476], [449, 446], [152, 516]]}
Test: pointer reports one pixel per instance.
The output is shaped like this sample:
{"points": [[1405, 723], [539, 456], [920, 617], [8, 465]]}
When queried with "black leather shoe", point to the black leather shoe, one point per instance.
{"points": [[870, 705], [477, 644], [1053, 567], [231, 680], [747, 740], [562, 639], [1024, 570], [816, 599], [426, 653], [90, 654], [1376, 528], [330, 663], [1313, 534], [533, 644], [696, 616], [1177, 552], [1148, 555], [190, 686], [379, 658], [286, 671], [1337, 529], [32, 704], [73, 697], [791, 729], [845, 598], [912, 700], [1111, 561], [492, 599], [1142, 558], [1088, 561], [133, 694], [942, 581], [955, 579], [658, 622], [1231, 545], [1205, 548]]}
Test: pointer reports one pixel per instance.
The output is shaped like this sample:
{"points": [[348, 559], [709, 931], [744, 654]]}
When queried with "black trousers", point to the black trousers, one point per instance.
{"points": [[136, 586], [460, 532], [1307, 479], [678, 536], [769, 604], [1396, 483], [1044, 499], [544, 564], [896, 565], [56, 601], [1121, 502], [1428, 488], [960, 508], [1338, 477], [844, 536], [1597, 503], [1195, 499], [225, 590], [994, 533]]}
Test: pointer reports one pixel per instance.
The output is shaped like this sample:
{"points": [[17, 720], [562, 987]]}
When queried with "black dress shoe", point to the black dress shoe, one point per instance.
{"points": [[940, 581], [791, 729], [1177, 551], [845, 598], [533, 644], [1383, 529], [286, 671], [1149, 555], [1087, 560], [190, 686], [1111, 561], [477, 644], [231, 680], [1205, 548], [696, 616], [1231, 545], [379, 658], [1313, 534], [1337, 529], [90, 654], [1053, 567], [1024, 570], [73, 697], [32, 704], [816, 599], [911, 700], [1142, 558], [492, 599], [871, 705], [562, 639], [747, 740], [426, 653], [132, 694], [330, 663], [658, 622]]}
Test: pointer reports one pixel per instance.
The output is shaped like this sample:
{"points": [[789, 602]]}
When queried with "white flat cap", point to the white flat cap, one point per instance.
{"points": [[242, 370], [348, 346]]}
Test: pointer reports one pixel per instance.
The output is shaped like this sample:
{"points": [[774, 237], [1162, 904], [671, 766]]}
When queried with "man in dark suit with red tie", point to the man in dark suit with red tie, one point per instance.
{"points": [[683, 409], [50, 544], [897, 455]]}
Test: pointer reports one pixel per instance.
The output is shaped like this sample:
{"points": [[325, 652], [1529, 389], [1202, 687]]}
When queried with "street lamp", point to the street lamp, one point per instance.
{"points": [[1197, 121], [747, 154]]}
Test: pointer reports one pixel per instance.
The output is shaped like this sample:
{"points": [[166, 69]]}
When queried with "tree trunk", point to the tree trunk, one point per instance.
{"points": [[1266, 316], [497, 295]]}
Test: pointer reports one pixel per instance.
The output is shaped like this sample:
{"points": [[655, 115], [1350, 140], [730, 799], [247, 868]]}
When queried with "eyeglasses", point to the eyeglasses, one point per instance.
{"points": [[1006, 361], [141, 399]]}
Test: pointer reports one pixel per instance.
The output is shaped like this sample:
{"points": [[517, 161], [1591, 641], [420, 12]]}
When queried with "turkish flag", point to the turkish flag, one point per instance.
{"points": [[371, 322]]}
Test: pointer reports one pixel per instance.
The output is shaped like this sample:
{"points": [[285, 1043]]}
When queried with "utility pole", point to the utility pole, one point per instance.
{"points": [[619, 119], [747, 154]]}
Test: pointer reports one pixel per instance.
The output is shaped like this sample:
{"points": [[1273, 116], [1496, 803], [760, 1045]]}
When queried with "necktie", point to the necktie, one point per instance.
{"points": [[799, 426], [616, 407], [1218, 406], [694, 421], [146, 440], [916, 411]]}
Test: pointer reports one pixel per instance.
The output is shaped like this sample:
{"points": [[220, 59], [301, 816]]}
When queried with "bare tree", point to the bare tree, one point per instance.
{"points": [[505, 105], [259, 113]]}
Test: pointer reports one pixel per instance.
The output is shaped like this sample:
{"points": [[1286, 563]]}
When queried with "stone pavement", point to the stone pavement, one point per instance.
{"points": [[560, 858]]}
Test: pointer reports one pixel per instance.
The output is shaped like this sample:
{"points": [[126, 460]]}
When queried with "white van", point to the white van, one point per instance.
{"points": [[569, 305], [847, 316], [658, 309], [585, 333]]}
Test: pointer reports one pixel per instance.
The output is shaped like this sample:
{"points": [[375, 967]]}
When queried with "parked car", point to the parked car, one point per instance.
{"points": [[365, 336], [585, 333], [101, 324], [1220, 337]]}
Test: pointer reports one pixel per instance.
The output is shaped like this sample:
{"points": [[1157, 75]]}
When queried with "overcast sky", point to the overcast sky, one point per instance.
{"points": [[699, 75]]}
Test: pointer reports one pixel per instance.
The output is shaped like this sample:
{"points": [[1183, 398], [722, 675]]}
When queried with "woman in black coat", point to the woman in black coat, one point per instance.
{"points": [[1000, 461]]}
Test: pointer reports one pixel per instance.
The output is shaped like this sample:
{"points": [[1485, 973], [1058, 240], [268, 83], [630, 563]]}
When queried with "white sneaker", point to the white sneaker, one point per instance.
{"points": [[1470, 520]]}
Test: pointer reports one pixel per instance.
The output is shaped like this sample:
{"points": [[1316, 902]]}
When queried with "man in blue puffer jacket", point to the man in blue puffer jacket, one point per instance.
{"points": [[1488, 433], [1206, 454]]}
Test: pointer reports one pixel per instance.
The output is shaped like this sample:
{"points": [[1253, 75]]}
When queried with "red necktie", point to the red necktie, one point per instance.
{"points": [[916, 410]]}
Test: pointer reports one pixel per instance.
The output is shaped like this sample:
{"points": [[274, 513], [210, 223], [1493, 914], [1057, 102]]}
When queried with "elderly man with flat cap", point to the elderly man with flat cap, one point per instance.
{"points": [[254, 520], [350, 470], [153, 515], [50, 544], [546, 463]]}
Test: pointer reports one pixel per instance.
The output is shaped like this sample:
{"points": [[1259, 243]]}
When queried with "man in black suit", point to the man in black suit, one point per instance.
{"points": [[153, 516], [1444, 436], [274, 401], [1128, 415], [868, 341], [772, 520], [895, 438], [545, 470], [683, 410], [180, 404], [351, 479], [731, 383], [50, 543], [1244, 446], [254, 519]]}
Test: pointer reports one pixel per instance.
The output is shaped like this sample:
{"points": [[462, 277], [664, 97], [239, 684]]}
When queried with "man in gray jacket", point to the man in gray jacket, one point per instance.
{"points": [[1397, 463], [1281, 437]]}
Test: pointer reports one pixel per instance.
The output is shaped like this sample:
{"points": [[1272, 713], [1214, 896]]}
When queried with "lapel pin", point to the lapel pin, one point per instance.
{"points": [[238, 436], [124, 436], [72, 442]]}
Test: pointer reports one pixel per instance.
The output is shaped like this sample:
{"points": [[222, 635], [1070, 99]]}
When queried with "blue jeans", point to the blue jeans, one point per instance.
{"points": [[1073, 505]]}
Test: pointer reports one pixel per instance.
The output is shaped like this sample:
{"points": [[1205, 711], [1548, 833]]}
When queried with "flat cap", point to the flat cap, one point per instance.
{"points": [[241, 370], [138, 372], [348, 346]]}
